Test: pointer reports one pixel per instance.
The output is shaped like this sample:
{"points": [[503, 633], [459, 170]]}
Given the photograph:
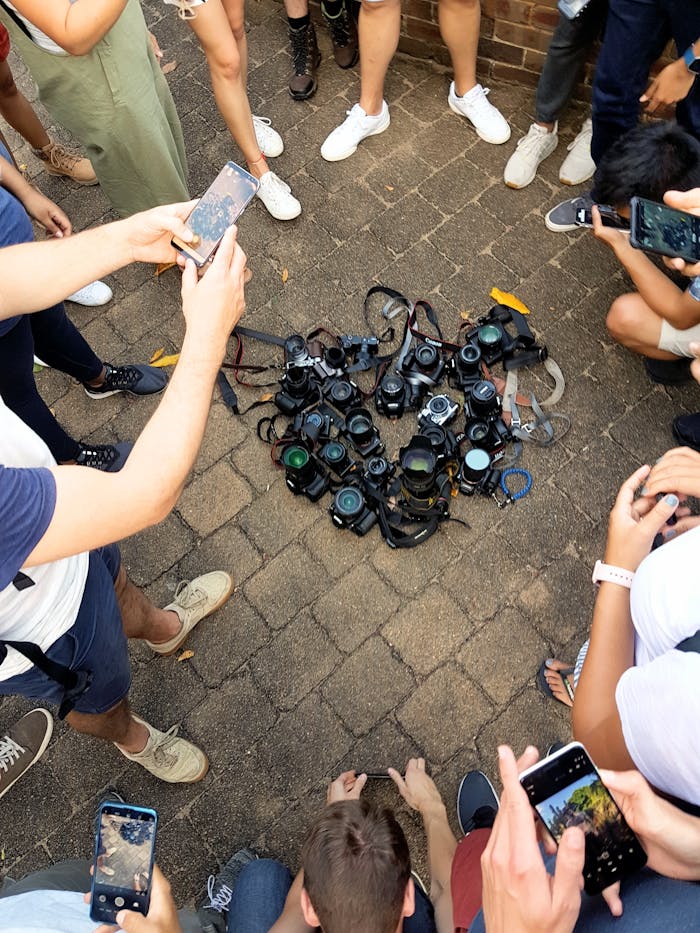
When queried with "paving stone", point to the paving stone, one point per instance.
{"points": [[213, 498], [468, 231], [38, 786], [409, 571], [223, 432], [369, 683], [66, 758], [386, 746], [155, 550], [355, 606], [227, 640], [555, 601], [512, 206], [279, 602], [531, 719], [396, 227], [165, 691], [467, 182], [428, 630], [262, 524], [174, 838], [593, 479], [637, 430], [525, 246]]}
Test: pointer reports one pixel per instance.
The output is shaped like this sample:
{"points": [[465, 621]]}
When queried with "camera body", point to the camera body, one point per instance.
{"points": [[362, 433], [312, 427], [393, 396], [422, 368], [485, 427], [349, 509], [303, 474], [491, 339], [422, 482], [341, 393], [324, 361], [335, 455], [298, 389], [465, 366], [439, 409], [442, 441], [378, 474]]}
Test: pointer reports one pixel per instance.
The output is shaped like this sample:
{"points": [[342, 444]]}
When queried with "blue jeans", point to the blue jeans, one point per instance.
{"points": [[635, 35], [262, 888]]}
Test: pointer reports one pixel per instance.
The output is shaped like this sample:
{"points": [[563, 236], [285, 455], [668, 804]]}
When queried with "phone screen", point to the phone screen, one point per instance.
{"points": [[664, 230], [124, 852], [566, 790], [221, 205]]}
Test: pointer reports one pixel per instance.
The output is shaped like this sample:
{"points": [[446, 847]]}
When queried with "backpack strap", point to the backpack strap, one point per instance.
{"points": [[74, 683]]}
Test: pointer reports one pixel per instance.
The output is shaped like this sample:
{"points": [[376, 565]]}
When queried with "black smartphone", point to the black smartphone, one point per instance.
{"points": [[376, 775], [608, 215], [659, 229], [566, 790], [123, 864], [222, 204]]}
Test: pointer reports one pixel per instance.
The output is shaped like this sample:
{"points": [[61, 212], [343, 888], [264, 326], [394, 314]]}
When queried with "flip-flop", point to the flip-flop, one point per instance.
{"points": [[564, 675]]}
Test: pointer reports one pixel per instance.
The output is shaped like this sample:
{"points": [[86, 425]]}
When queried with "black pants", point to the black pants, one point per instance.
{"points": [[55, 340]]}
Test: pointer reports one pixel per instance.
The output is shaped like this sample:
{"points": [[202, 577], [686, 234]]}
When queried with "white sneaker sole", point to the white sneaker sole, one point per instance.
{"points": [[495, 141], [39, 752], [579, 180], [346, 153]]}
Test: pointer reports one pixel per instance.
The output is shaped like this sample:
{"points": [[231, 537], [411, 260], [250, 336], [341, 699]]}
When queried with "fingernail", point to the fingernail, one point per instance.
{"points": [[643, 490], [577, 840], [671, 533], [549, 662], [671, 500]]}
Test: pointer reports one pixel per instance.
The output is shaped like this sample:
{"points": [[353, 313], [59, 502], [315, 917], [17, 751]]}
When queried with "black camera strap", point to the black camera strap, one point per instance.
{"points": [[74, 683]]}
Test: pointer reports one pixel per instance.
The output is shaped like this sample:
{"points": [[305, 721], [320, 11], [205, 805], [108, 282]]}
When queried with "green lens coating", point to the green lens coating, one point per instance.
{"points": [[418, 461], [295, 458], [489, 334]]}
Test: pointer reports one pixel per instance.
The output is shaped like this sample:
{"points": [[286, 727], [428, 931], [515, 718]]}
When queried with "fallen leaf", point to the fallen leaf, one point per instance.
{"points": [[186, 655], [464, 315], [167, 360], [389, 187], [157, 355], [285, 275], [162, 267], [168, 67], [267, 397], [22, 166]]}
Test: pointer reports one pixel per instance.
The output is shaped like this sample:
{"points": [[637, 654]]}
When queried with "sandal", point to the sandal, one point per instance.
{"points": [[564, 674]]}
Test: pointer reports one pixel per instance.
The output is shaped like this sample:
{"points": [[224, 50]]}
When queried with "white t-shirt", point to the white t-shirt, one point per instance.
{"points": [[40, 38], [45, 611], [45, 912], [659, 699]]}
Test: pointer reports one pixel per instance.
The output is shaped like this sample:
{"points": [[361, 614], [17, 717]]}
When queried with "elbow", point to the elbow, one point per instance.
{"points": [[77, 47]]}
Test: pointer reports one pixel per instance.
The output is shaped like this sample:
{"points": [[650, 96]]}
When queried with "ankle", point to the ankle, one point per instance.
{"points": [[372, 106], [99, 380], [136, 738], [166, 625], [462, 88], [545, 126], [257, 167]]}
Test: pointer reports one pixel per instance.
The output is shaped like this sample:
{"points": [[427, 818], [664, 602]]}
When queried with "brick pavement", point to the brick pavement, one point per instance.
{"points": [[336, 651]]}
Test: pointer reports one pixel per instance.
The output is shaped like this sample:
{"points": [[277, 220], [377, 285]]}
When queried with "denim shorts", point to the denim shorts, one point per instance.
{"points": [[96, 643]]}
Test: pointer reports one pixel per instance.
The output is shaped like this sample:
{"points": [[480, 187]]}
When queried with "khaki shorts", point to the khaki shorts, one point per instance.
{"points": [[678, 341]]}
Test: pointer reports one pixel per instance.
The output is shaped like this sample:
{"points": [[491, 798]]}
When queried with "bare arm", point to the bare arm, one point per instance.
{"points": [[149, 484], [76, 27]]}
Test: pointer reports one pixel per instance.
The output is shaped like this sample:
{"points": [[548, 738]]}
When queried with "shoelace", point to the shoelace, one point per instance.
{"points": [[187, 595], [184, 10], [480, 102], [120, 377], [221, 899], [275, 185], [300, 49], [266, 121], [585, 133], [531, 141], [9, 752], [339, 28], [60, 157], [160, 747], [97, 456]]}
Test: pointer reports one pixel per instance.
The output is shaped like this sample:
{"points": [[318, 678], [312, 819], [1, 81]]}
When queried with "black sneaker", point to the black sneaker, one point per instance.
{"points": [[343, 36], [220, 890], [136, 379], [477, 803], [23, 745], [562, 218], [686, 430], [668, 372], [109, 458], [306, 58]]}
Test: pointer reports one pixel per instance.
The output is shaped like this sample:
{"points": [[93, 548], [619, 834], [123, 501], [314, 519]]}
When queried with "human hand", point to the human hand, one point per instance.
{"points": [[417, 787], [678, 471], [157, 51], [45, 212], [613, 237], [347, 786], [688, 201], [149, 233], [670, 85], [162, 913], [634, 524]]}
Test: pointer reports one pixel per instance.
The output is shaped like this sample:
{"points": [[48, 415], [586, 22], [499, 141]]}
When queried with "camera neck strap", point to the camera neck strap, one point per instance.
{"points": [[690, 644]]}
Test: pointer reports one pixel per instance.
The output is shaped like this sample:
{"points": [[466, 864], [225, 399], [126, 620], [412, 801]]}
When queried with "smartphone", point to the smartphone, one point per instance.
{"points": [[123, 864], [566, 790], [223, 203], [664, 230], [608, 215]]}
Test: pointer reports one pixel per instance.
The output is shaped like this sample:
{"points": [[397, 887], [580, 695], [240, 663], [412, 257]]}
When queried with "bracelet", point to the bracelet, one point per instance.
{"points": [[607, 573]]}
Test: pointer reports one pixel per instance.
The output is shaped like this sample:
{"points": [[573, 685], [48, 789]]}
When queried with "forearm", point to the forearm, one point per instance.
{"points": [[656, 289], [441, 849], [12, 180], [292, 919], [75, 27]]}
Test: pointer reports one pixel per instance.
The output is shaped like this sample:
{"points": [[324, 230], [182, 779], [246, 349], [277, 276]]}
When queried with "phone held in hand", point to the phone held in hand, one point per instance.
{"points": [[223, 203], [656, 228], [608, 215], [565, 789], [123, 864]]}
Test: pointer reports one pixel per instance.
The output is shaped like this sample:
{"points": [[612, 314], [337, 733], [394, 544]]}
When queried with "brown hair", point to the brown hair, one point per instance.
{"points": [[356, 867]]}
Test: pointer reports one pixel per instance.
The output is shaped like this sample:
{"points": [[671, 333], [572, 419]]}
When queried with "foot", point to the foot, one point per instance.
{"points": [[92, 296], [269, 140], [62, 161], [686, 430], [136, 379], [489, 123], [109, 458], [220, 890], [277, 197], [578, 166], [23, 745], [477, 803], [193, 602], [668, 372], [562, 218], [532, 149], [343, 36], [558, 678], [169, 757], [358, 125], [306, 58]]}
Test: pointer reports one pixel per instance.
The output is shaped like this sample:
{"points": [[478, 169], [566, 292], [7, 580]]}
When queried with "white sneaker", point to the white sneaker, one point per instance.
{"points": [[194, 601], [358, 125], [168, 757], [93, 295], [532, 149], [488, 122], [277, 197], [578, 166], [269, 140]]}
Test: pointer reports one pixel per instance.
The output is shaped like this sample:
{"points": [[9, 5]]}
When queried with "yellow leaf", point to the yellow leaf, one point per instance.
{"points": [[167, 360], [186, 655], [168, 67], [157, 355], [464, 315], [267, 397], [285, 275], [389, 187], [162, 267], [509, 300]]}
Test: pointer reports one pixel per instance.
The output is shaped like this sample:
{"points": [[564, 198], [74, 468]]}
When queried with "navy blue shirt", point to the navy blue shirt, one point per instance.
{"points": [[27, 503]]}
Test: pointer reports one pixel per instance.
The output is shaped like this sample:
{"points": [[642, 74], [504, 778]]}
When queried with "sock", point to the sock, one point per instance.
{"points": [[299, 22], [332, 8]]}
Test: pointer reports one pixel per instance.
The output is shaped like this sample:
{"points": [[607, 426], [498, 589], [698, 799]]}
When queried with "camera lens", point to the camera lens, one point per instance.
{"points": [[392, 386], [484, 398], [437, 436], [438, 405], [297, 381], [476, 464], [341, 393], [426, 356], [477, 432], [335, 357], [359, 426], [314, 419], [295, 349], [489, 336], [349, 503], [418, 463], [469, 358], [334, 453], [377, 467], [298, 463]]}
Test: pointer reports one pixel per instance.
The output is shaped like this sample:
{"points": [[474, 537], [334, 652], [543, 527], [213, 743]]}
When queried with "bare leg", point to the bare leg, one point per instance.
{"points": [[116, 725], [16, 109], [632, 323], [235, 11], [140, 618], [459, 26], [296, 8], [378, 32]]}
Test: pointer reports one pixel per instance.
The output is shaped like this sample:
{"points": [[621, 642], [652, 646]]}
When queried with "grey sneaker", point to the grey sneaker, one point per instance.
{"points": [[169, 757], [23, 745], [220, 890], [562, 218], [194, 600]]}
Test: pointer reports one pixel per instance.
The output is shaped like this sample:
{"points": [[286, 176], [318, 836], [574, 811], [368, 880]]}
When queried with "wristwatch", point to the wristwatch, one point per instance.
{"points": [[606, 573], [692, 61]]}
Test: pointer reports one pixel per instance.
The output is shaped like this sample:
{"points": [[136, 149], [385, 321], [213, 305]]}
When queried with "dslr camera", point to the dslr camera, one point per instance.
{"points": [[422, 368], [298, 389], [349, 509], [439, 409], [303, 474], [393, 396]]}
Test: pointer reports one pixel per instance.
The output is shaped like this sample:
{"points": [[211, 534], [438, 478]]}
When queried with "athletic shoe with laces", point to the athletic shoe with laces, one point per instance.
{"points": [[344, 140], [532, 149], [306, 59], [63, 161], [194, 600], [136, 379], [277, 197], [686, 430], [169, 757], [109, 458], [269, 139], [343, 36], [93, 295], [578, 166], [562, 218], [488, 121], [220, 890], [23, 745], [477, 802]]}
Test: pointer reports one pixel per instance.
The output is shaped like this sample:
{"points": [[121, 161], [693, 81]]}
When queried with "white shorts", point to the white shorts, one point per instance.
{"points": [[678, 341], [184, 7]]}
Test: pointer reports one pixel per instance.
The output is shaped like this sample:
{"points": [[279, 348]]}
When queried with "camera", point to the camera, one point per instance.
{"points": [[297, 390], [335, 455], [304, 476], [360, 346], [421, 481], [423, 368], [296, 352], [491, 339], [378, 474], [312, 427], [490, 436], [477, 474], [392, 396], [349, 510], [466, 366], [440, 410], [341, 393], [482, 401], [361, 432], [442, 441], [325, 361]]}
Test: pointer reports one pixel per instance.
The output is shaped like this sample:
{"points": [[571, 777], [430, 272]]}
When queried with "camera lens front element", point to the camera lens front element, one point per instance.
{"points": [[349, 503]]}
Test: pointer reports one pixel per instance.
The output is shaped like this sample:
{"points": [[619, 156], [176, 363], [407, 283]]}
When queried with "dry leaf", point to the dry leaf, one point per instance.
{"points": [[285, 275], [389, 187], [267, 397], [157, 355], [162, 267], [167, 360], [464, 315], [186, 655], [168, 67]]}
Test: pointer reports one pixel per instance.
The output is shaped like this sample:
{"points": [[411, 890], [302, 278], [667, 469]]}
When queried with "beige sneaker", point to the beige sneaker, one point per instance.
{"points": [[62, 161], [168, 757], [193, 602]]}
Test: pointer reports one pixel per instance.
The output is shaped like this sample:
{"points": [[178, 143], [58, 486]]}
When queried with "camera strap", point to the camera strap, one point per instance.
{"points": [[74, 683]]}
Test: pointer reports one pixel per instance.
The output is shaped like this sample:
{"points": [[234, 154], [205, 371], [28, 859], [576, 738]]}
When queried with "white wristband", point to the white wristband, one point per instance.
{"points": [[606, 573]]}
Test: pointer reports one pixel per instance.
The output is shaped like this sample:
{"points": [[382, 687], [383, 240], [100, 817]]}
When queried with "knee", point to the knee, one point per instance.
{"points": [[376, 7], [8, 88], [227, 66], [623, 317], [238, 29]]}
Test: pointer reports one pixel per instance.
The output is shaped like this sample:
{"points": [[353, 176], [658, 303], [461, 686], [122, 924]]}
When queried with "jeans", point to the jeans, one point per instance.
{"points": [[262, 888], [635, 35], [571, 42]]}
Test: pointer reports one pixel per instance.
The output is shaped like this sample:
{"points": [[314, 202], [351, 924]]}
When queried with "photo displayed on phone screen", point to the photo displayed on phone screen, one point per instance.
{"points": [[566, 790], [123, 860], [664, 230]]}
